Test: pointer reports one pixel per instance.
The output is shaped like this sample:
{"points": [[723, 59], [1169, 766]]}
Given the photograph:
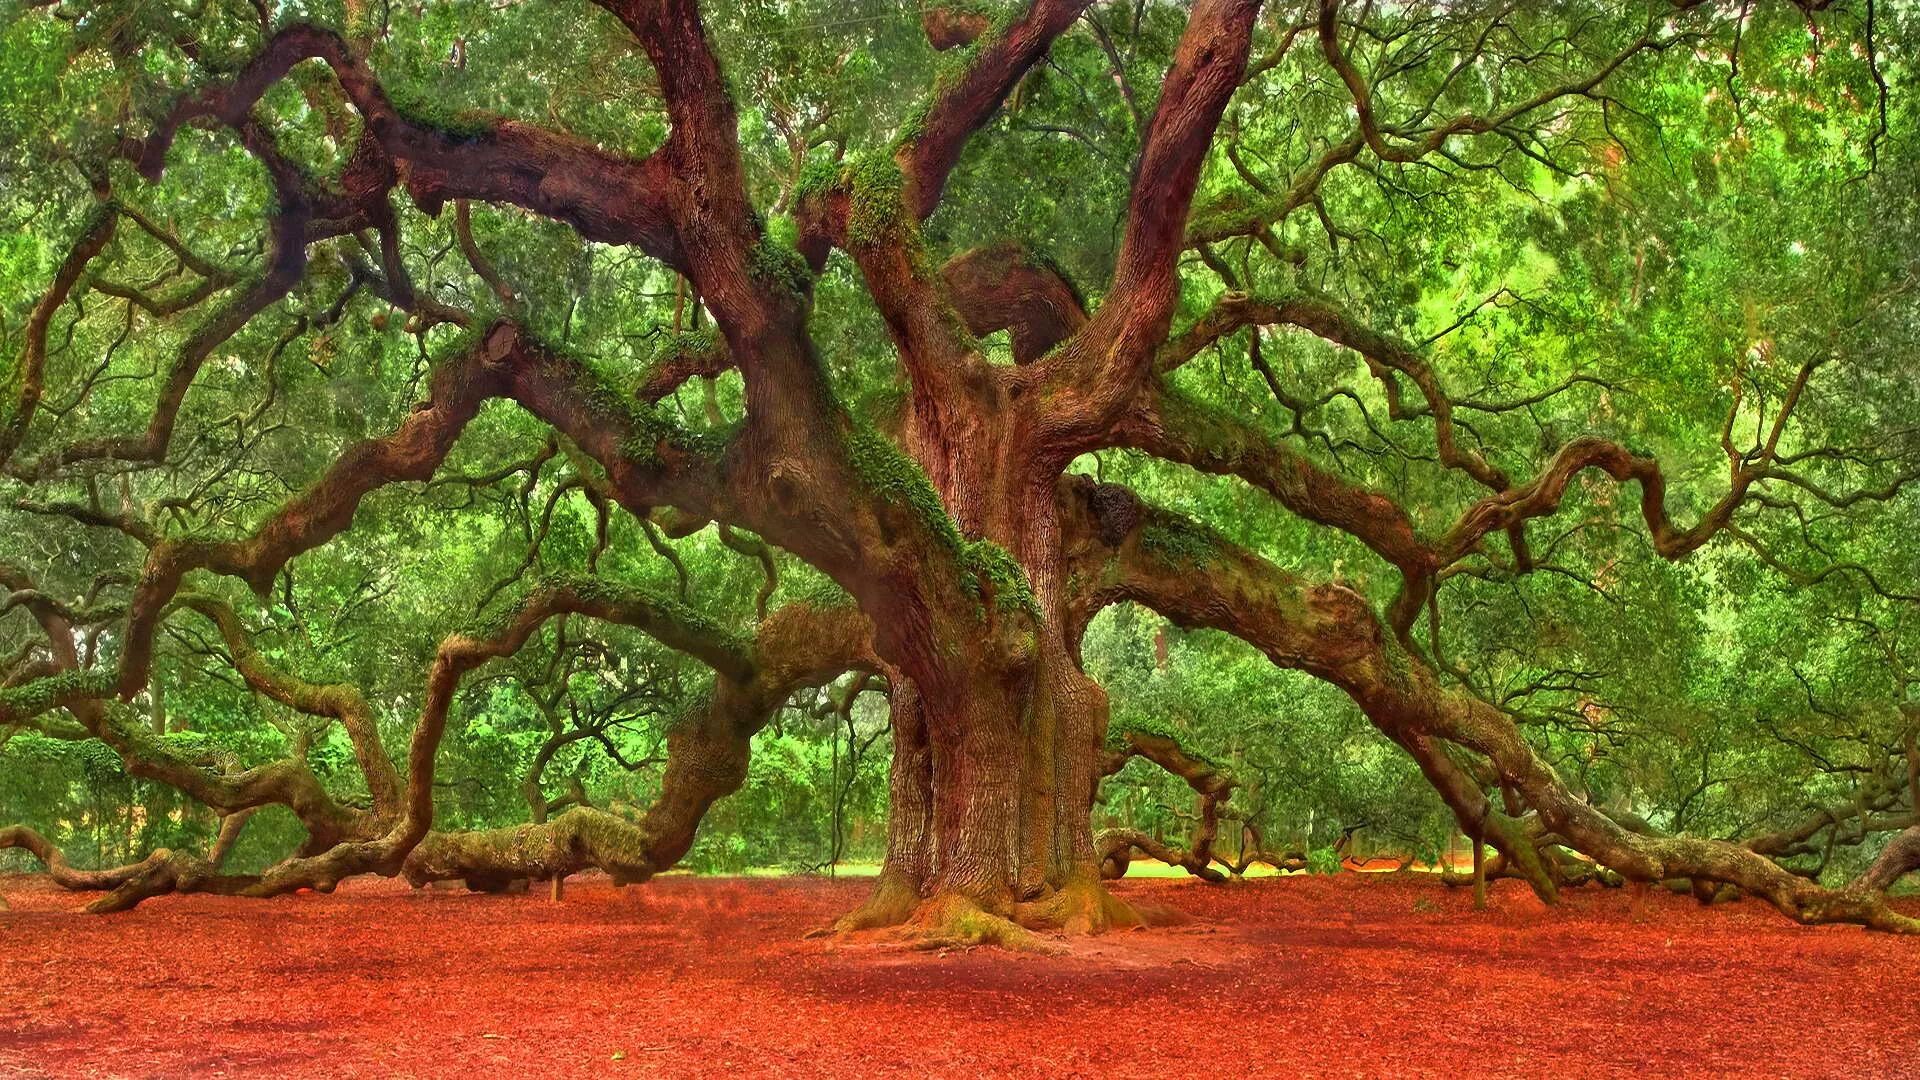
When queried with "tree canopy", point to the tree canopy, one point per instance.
{"points": [[487, 435]]}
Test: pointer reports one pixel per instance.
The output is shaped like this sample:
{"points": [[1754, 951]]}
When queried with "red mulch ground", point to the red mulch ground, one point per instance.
{"points": [[1345, 976]]}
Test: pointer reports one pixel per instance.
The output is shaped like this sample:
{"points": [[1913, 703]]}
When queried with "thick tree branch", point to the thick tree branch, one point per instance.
{"points": [[1102, 369], [1127, 551], [603, 196], [963, 103]]}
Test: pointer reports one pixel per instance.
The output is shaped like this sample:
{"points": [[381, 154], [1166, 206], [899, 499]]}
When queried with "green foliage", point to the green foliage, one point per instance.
{"points": [[876, 213], [669, 346], [817, 590], [31, 699], [776, 259], [883, 469], [1180, 543], [989, 569]]}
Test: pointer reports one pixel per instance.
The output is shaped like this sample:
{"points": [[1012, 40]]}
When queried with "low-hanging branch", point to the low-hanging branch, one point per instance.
{"points": [[1329, 631]]}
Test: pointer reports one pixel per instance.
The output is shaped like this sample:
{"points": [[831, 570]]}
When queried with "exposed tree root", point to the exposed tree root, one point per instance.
{"points": [[1086, 907], [952, 920], [893, 901]]}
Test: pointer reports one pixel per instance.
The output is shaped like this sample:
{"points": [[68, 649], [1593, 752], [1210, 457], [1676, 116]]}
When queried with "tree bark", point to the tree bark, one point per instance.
{"points": [[1900, 858]]}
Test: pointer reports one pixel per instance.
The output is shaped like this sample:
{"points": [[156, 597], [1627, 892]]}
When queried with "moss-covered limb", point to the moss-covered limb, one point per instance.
{"points": [[1120, 548], [21, 391], [807, 644], [231, 826], [340, 701], [1332, 633], [795, 646], [993, 60], [876, 211], [162, 306], [969, 583], [85, 692], [1234, 214], [604, 196], [43, 604], [473, 371], [93, 515], [885, 471], [59, 622], [1253, 849], [649, 459], [997, 578], [205, 267], [481, 365], [61, 690], [63, 872], [663, 618], [580, 839], [384, 845], [1177, 427], [287, 782], [1160, 744], [678, 357], [707, 752], [858, 205]]}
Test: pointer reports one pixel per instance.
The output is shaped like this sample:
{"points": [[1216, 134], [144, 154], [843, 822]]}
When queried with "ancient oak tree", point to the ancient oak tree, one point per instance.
{"points": [[1376, 337]]}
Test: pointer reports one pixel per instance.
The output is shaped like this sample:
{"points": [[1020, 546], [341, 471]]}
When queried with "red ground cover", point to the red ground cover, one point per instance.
{"points": [[1345, 976]]}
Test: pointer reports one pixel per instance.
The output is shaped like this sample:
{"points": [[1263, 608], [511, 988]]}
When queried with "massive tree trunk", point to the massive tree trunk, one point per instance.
{"points": [[1003, 741]]}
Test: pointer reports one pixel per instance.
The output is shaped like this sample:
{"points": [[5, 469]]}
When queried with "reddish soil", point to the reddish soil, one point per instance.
{"points": [[1351, 975]]}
